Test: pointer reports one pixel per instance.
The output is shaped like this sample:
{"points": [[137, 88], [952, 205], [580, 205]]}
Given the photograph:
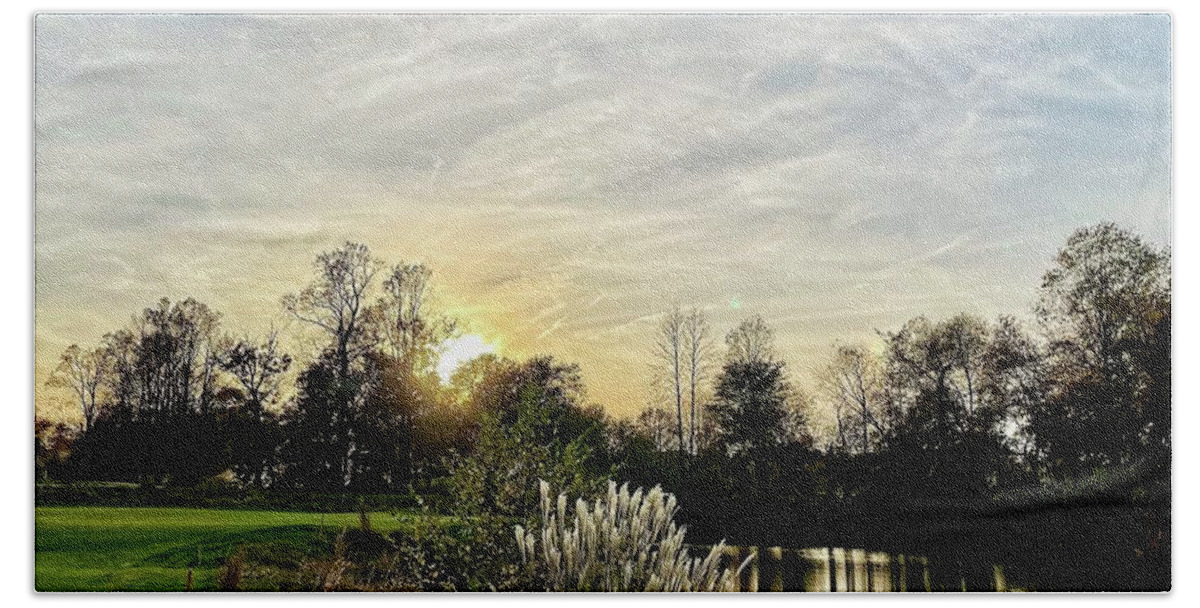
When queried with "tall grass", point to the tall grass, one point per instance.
{"points": [[622, 542], [229, 578]]}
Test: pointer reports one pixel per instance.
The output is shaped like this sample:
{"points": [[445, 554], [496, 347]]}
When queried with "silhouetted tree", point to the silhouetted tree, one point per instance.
{"points": [[255, 434], [350, 431], [853, 381], [337, 301], [319, 448], [1106, 310], [655, 425], [554, 390], [698, 349], [258, 368], [946, 437], [162, 420], [750, 405], [51, 447], [751, 341], [174, 359], [533, 424], [1014, 384], [410, 332], [85, 372]]}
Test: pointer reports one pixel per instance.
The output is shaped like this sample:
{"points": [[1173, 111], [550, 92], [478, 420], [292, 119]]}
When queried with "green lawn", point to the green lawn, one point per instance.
{"points": [[150, 549]]}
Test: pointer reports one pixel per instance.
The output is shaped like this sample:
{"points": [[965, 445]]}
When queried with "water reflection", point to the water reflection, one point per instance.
{"points": [[856, 570]]}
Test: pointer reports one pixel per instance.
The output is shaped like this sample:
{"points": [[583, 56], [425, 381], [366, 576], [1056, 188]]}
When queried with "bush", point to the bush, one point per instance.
{"points": [[624, 542]]}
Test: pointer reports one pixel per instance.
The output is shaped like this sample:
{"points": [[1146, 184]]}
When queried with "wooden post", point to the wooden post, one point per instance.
{"points": [[775, 573], [832, 572], [752, 584]]}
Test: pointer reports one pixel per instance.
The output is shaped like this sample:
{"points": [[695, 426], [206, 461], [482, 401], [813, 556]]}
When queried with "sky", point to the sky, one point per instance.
{"points": [[570, 177]]}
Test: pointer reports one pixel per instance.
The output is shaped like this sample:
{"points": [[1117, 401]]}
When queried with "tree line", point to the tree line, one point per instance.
{"points": [[953, 409], [1087, 386]]}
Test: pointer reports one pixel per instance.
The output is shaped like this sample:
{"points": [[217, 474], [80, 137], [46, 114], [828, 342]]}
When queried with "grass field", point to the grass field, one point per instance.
{"points": [[150, 549]]}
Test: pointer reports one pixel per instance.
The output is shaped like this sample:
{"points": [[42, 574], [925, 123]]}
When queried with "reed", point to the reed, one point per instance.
{"points": [[622, 542]]}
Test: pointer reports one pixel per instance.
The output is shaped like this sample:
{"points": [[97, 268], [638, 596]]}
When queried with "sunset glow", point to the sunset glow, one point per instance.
{"points": [[566, 194], [457, 351]]}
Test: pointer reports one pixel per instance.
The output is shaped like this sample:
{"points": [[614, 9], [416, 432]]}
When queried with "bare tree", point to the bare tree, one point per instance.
{"points": [[85, 373], [697, 342], [751, 341], [854, 382], [669, 350], [336, 300], [410, 332]]}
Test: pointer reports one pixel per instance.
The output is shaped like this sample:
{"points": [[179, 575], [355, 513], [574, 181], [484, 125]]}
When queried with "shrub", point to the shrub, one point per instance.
{"points": [[463, 554], [623, 542]]}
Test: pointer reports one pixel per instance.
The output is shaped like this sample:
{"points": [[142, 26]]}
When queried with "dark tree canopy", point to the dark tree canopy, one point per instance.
{"points": [[1106, 307], [751, 405]]}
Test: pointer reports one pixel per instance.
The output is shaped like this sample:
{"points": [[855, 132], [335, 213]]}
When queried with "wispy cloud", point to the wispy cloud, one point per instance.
{"points": [[835, 173]]}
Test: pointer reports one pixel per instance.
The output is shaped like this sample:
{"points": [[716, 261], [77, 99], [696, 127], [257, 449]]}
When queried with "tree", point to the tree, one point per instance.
{"points": [[654, 424], [319, 448], [412, 337], [752, 394], [331, 422], [698, 348], [1014, 385], [552, 391], [410, 333], [751, 341], [532, 425], [336, 301], [944, 436], [258, 368], [85, 372], [750, 405], [1105, 308], [669, 351], [1105, 294], [51, 447], [945, 358], [161, 421], [174, 358], [385, 422], [854, 383]]}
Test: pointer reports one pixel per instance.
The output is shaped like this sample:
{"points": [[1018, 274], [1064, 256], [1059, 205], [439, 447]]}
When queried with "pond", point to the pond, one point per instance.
{"points": [[858, 570]]}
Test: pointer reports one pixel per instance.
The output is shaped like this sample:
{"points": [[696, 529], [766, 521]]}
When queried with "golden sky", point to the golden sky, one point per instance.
{"points": [[570, 177]]}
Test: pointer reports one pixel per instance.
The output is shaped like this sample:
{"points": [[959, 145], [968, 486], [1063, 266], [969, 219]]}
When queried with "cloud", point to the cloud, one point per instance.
{"points": [[569, 176]]}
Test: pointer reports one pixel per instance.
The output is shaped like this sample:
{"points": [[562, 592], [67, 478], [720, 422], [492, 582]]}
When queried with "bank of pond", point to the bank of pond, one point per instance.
{"points": [[85, 548]]}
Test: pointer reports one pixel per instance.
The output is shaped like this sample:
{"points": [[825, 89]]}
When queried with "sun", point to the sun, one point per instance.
{"points": [[457, 351]]}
